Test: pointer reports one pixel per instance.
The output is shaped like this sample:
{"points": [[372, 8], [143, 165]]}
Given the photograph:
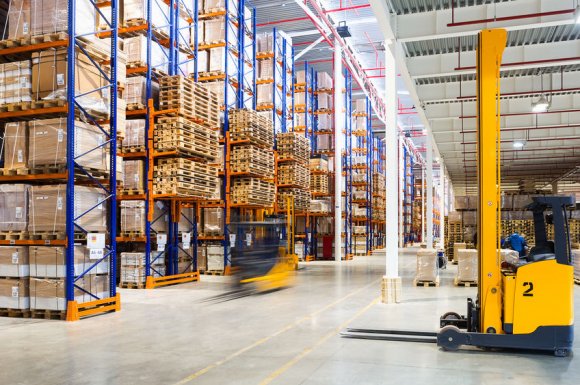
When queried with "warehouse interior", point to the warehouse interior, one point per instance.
{"points": [[289, 191]]}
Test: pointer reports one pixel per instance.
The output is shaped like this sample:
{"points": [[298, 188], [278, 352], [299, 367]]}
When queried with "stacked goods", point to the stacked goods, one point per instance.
{"points": [[265, 43], [215, 258], [133, 268], [213, 221], [136, 50], [320, 206], [456, 247], [15, 271], [467, 266], [14, 148], [359, 245], [133, 218], [135, 94], [293, 145], [13, 210], [576, 260], [319, 183], [359, 212], [190, 100], [48, 270], [323, 81], [324, 102], [253, 191], [47, 206], [301, 198], [249, 125], [293, 175], [427, 271], [202, 258], [320, 163], [252, 160], [185, 138], [133, 177], [47, 149], [184, 177], [15, 83], [135, 13], [14, 262]]}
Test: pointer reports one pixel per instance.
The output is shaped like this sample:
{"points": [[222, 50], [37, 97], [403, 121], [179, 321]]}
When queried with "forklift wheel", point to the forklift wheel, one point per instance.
{"points": [[449, 338]]}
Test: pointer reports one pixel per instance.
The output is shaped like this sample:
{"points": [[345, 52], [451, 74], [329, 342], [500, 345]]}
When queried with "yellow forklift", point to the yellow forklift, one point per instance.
{"points": [[526, 304]]}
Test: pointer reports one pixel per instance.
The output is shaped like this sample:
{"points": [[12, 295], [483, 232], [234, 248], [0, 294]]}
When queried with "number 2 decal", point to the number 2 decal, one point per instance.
{"points": [[528, 292]]}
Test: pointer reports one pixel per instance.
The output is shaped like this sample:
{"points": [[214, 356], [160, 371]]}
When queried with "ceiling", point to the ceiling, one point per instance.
{"points": [[436, 82]]}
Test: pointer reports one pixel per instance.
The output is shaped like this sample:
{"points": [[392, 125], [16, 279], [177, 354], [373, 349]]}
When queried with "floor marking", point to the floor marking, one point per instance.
{"points": [[267, 338], [322, 340]]}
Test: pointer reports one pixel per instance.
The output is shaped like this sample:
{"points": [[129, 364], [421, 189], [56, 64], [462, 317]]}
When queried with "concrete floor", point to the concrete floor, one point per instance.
{"points": [[173, 336]]}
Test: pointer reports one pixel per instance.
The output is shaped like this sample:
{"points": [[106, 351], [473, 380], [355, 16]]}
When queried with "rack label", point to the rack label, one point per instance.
{"points": [[15, 292], [96, 253], [232, 240], [15, 258], [60, 79], [59, 203], [18, 213]]}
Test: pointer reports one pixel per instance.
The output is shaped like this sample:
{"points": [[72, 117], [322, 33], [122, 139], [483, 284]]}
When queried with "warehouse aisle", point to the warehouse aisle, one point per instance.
{"points": [[174, 336]]}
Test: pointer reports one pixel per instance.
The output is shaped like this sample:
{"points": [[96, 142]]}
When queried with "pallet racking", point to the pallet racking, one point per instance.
{"points": [[103, 248]]}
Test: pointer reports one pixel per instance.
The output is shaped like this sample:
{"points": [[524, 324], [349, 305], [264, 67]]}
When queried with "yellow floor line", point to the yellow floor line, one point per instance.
{"points": [[267, 338], [307, 351]]}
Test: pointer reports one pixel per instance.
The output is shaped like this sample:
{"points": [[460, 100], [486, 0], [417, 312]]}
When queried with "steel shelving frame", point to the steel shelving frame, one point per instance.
{"points": [[407, 195], [347, 166], [378, 167], [77, 43]]}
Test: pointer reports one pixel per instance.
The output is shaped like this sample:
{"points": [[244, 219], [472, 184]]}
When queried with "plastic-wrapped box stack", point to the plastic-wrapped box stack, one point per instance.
{"points": [[215, 258], [133, 181], [456, 247], [15, 82], [133, 218], [14, 284], [133, 269], [15, 147], [427, 269], [467, 267]]}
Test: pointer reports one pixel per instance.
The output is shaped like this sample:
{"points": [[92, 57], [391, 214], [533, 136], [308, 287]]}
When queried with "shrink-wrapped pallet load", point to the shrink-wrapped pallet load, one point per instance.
{"points": [[134, 135], [18, 19], [50, 294], [47, 205], [51, 16], [133, 217], [134, 176], [215, 257], [135, 13], [15, 146], [427, 269], [467, 266], [133, 271], [14, 207], [456, 247], [14, 261], [15, 82], [213, 221], [50, 262]]}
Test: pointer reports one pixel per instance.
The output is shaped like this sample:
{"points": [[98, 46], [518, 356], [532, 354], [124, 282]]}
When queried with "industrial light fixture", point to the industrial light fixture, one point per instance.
{"points": [[519, 144], [403, 92], [541, 105], [342, 29], [577, 14]]}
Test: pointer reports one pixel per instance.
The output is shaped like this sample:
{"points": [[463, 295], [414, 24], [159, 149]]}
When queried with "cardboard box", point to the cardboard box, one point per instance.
{"points": [[133, 217], [300, 77], [134, 133], [48, 144], [264, 94], [266, 71], [264, 42], [48, 207], [14, 293], [456, 247], [427, 265], [18, 19], [14, 261], [15, 82], [217, 59], [324, 81], [134, 175], [324, 101], [136, 90], [136, 50], [50, 294], [215, 257], [133, 269], [49, 79], [467, 265], [50, 16], [137, 9], [14, 207], [50, 262], [15, 145], [214, 30]]}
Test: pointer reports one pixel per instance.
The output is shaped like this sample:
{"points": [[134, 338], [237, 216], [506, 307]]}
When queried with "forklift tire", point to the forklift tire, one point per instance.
{"points": [[561, 352], [449, 338]]}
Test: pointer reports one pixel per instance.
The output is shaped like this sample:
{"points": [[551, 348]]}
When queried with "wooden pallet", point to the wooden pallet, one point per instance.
{"points": [[132, 285], [426, 283], [14, 235], [457, 282], [250, 125], [13, 171], [186, 137], [130, 191], [15, 313], [577, 280], [48, 38], [48, 314], [130, 149], [47, 235], [135, 106], [18, 42], [213, 272]]}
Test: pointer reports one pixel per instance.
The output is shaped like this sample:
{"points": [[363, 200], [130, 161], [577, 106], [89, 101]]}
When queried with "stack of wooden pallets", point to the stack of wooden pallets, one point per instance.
{"points": [[293, 175], [184, 177], [293, 145], [252, 160], [293, 170], [253, 191], [187, 138], [251, 126], [189, 99], [301, 198], [319, 183]]}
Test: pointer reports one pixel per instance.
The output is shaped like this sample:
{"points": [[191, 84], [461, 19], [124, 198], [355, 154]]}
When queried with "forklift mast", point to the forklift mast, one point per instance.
{"points": [[489, 53]]}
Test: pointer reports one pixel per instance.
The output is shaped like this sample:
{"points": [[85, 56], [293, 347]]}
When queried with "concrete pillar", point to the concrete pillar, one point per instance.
{"points": [[401, 192], [423, 211], [338, 126], [429, 200], [442, 197], [391, 284]]}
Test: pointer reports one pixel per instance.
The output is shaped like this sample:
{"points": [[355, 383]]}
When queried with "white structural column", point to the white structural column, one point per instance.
{"points": [[391, 285], [401, 193], [338, 125], [442, 196], [429, 200], [423, 211]]}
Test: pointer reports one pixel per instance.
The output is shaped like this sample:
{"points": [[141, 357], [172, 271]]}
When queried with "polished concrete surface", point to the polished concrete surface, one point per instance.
{"points": [[186, 335]]}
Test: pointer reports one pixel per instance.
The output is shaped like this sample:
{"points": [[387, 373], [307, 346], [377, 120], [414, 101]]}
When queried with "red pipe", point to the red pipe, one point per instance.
{"points": [[374, 69], [528, 128], [525, 63], [314, 61], [307, 18], [527, 93], [531, 140], [506, 18], [504, 159], [534, 149], [525, 113]]}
